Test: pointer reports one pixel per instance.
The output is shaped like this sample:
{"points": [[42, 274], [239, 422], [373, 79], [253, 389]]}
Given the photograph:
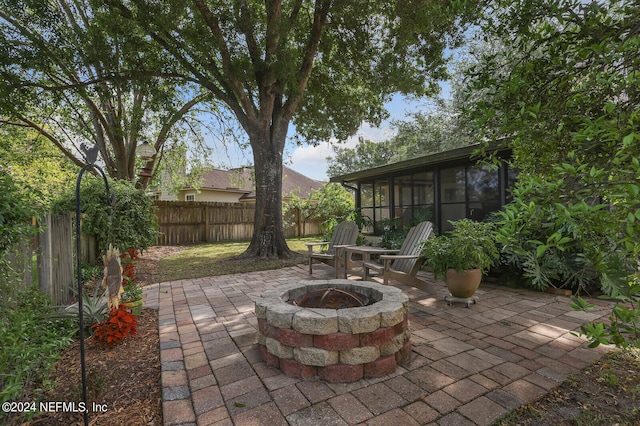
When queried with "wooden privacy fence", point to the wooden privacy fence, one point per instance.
{"points": [[196, 222], [47, 259]]}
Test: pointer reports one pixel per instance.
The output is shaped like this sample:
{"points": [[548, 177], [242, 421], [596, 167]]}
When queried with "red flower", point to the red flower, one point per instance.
{"points": [[121, 324]]}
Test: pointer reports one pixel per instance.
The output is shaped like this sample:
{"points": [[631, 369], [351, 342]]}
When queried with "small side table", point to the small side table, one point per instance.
{"points": [[366, 252]]}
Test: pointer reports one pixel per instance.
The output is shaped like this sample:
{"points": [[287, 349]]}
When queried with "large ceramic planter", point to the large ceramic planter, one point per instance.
{"points": [[463, 286]]}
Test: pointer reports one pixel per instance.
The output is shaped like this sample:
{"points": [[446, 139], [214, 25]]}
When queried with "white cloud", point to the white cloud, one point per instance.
{"points": [[311, 161]]}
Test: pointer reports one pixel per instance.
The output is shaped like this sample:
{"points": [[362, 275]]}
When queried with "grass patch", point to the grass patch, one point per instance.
{"points": [[222, 258]]}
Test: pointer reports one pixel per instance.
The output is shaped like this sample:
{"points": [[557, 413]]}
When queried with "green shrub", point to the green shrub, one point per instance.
{"points": [[573, 243], [396, 231], [30, 342], [15, 223], [130, 223]]}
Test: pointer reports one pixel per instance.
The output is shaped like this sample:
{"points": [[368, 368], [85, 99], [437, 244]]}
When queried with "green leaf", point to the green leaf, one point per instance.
{"points": [[541, 250], [628, 140], [609, 107]]}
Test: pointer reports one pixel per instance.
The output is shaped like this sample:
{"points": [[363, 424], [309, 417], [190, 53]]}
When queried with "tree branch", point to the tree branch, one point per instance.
{"points": [[319, 20], [229, 76], [28, 123]]}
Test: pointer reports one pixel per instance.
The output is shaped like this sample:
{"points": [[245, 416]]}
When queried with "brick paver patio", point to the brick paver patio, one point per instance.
{"points": [[469, 366]]}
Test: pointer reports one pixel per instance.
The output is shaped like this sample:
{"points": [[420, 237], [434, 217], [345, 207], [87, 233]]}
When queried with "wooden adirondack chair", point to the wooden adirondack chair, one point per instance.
{"points": [[404, 265], [345, 234]]}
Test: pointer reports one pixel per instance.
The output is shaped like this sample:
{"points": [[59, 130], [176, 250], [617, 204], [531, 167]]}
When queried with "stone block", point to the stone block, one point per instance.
{"points": [[278, 349], [359, 320], [380, 367], [378, 337], [293, 338], [402, 326], [391, 313], [404, 354], [361, 355], [262, 339], [341, 373], [280, 314], [337, 341], [270, 359], [316, 356], [395, 344], [316, 321], [293, 368]]}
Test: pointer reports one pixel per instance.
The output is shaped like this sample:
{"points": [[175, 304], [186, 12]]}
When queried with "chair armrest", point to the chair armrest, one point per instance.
{"points": [[310, 246], [317, 244], [370, 250], [399, 256]]}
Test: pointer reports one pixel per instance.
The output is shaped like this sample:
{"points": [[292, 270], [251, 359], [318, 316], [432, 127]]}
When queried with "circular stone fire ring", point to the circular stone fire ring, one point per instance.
{"points": [[337, 345]]}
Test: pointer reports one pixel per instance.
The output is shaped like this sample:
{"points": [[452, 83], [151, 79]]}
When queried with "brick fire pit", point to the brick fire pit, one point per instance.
{"points": [[337, 345]]}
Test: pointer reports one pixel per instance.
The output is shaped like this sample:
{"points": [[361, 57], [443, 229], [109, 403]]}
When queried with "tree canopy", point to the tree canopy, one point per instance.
{"points": [[441, 126], [561, 84], [422, 134], [323, 65], [34, 163], [78, 75]]}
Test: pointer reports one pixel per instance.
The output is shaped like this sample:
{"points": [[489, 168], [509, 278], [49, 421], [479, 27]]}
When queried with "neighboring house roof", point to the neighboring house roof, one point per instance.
{"points": [[241, 180]]}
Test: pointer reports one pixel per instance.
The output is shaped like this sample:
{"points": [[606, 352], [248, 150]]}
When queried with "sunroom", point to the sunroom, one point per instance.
{"points": [[439, 187]]}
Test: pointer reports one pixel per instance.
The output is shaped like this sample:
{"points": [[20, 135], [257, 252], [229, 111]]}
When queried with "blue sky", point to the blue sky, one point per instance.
{"points": [[311, 161]]}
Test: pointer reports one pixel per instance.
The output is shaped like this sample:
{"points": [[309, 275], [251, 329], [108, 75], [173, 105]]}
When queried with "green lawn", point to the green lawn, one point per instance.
{"points": [[221, 259]]}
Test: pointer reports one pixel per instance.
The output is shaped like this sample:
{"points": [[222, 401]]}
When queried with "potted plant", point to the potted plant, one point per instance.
{"points": [[461, 257]]}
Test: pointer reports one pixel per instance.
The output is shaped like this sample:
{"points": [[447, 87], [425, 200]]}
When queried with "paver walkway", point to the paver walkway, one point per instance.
{"points": [[469, 366]]}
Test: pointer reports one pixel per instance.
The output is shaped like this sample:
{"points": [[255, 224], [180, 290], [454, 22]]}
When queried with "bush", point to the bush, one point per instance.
{"points": [[394, 234], [130, 223], [15, 222], [31, 342], [574, 243]]}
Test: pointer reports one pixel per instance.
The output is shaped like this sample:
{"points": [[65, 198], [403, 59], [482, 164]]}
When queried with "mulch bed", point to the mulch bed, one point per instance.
{"points": [[124, 380]]}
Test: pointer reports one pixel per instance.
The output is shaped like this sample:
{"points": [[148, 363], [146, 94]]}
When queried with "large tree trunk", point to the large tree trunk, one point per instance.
{"points": [[268, 234]]}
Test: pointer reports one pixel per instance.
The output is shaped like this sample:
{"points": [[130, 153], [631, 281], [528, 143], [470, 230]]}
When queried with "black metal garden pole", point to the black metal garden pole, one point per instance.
{"points": [[79, 271]]}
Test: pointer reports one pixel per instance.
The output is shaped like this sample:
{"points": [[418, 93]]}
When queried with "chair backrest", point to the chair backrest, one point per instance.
{"points": [[345, 233], [411, 246]]}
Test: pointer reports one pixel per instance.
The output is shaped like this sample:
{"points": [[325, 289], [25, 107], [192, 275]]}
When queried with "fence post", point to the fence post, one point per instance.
{"points": [[206, 224], [45, 254], [55, 258]]}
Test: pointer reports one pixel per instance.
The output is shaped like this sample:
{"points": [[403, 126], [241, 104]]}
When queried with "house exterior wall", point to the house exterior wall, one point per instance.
{"points": [[208, 195]]}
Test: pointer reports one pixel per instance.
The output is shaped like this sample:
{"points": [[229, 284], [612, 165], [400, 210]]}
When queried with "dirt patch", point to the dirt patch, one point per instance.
{"points": [[147, 269], [606, 393]]}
